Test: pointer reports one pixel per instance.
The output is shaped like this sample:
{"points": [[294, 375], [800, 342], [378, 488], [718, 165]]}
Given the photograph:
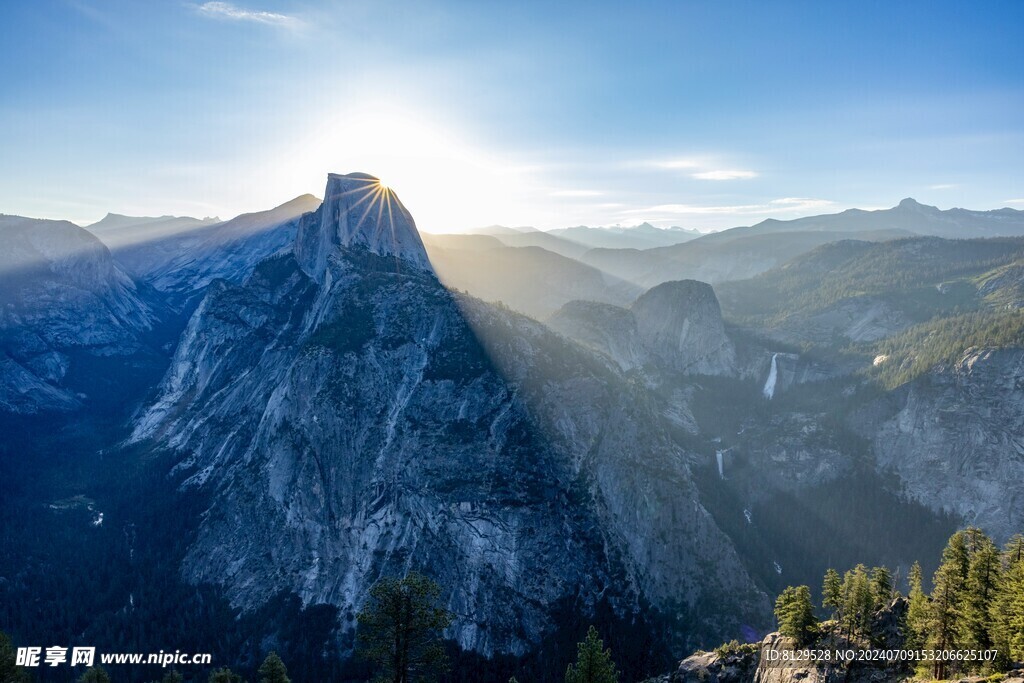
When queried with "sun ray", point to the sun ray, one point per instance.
{"points": [[391, 223], [368, 195]]}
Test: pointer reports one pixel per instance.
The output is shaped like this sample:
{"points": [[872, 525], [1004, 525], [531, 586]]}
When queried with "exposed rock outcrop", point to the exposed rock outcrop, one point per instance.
{"points": [[712, 667], [680, 327], [675, 327], [358, 211]]}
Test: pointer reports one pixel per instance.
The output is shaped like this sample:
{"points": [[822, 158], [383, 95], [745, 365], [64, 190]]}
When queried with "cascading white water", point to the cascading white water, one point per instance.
{"points": [[773, 374], [720, 456]]}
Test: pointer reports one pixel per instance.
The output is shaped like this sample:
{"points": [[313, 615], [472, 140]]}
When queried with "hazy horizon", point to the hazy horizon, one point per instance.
{"points": [[484, 228]]}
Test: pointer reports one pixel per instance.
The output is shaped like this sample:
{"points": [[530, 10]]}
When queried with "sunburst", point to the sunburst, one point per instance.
{"points": [[376, 198]]}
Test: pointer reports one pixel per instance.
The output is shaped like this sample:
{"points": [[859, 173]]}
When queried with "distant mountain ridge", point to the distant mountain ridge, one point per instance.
{"points": [[65, 306], [643, 236], [227, 250], [909, 215], [576, 240], [741, 253], [142, 243]]}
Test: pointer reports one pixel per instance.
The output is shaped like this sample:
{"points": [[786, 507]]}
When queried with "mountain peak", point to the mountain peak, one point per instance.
{"points": [[358, 211], [911, 203], [302, 201]]}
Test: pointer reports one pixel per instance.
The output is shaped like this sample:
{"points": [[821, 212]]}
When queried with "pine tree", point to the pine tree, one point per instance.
{"points": [[832, 597], [858, 601], [983, 581], [832, 593], [593, 663], [881, 587], [917, 610], [1007, 609], [224, 675], [172, 676], [273, 670], [795, 613], [93, 675], [400, 629], [947, 596]]}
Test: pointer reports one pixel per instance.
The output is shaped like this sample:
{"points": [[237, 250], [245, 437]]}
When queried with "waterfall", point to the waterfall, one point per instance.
{"points": [[773, 374], [720, 456]]}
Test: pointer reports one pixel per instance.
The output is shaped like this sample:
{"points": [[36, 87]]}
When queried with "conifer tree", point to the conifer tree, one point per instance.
{"points": [[224, 675], [917, 610], [983, 581], [400, 629], [273, 670], [947, 596], [1007, 609], [832, 593], [858, 601], [593, 663], [795, 613], [881, 587], [95, 674]]}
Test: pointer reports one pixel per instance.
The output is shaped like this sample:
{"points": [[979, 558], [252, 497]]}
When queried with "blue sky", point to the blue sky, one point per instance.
{"points": [[701, 114]]}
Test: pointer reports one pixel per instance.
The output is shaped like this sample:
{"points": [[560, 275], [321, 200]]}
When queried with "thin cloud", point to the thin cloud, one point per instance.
{"points": [[1015, 201], [226, 10], [700, 168], [725, 175], [801, 203], [575, 193], [674, 164], [943, 186]]}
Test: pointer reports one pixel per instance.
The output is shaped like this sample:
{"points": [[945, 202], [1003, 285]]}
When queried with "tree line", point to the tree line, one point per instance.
{"points": [[399, 632], [917, 349], [976, 603]]}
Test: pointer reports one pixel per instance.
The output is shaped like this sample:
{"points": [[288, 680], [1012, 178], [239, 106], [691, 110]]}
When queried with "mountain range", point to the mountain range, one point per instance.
{"points": [[274, 412]]}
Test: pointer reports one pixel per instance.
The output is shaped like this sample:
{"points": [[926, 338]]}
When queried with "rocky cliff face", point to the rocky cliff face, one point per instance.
{"points": [[955, 440], [354, 419], [62, 298], [675, 327], [358, 211], [680, 326]]}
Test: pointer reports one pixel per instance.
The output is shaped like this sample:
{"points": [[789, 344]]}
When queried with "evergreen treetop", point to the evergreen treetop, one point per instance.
{"points": [[593, 663]]}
